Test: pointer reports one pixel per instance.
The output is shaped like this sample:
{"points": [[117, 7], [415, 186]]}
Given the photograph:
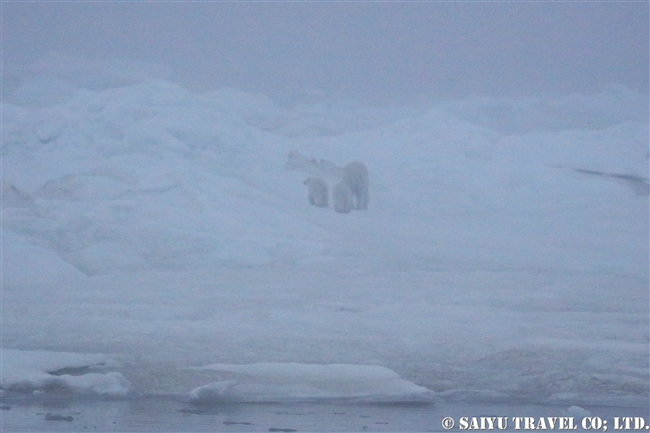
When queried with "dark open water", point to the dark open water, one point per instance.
{"points": [[167, 415]]}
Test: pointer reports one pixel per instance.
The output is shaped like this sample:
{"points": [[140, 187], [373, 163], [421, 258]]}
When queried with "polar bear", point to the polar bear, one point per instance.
{"points": [[342, 197], [355, 176], [318, 191], [312, 166]]}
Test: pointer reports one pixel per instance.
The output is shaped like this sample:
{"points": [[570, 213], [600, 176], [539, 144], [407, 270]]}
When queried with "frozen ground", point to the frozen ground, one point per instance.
{"points": [[148, 230]]}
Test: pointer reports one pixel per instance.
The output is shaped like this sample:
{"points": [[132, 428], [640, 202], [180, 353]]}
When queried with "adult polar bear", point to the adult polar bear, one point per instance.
{"points": [[355, 176], [342, 197]]}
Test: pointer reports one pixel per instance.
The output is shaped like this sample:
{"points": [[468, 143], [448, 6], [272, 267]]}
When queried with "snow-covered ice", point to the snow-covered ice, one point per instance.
{"points": [[269, 382], [45, 370], [503, 256]]}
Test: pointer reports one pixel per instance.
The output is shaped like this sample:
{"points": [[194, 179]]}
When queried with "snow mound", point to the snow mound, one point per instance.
{"points": [[280, 382], [45, 371], [578, 412], [56, 78], [25, 263]]}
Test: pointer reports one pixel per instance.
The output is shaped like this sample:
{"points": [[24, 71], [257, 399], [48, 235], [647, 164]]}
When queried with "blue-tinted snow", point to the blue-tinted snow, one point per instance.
{"points": [[503, 256]]}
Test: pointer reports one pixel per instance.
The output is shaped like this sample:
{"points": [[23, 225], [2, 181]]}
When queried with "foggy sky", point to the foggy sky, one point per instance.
{"points": [[376, 52]]}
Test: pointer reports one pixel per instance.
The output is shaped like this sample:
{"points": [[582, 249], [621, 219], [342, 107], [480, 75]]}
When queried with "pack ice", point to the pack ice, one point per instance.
{"points": [[503, 255], [281, 382]]}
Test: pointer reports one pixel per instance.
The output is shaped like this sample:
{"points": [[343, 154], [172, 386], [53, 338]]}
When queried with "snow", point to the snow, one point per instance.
{"points": [[24, 370], [503, 256], [269, 382], [578, 412]]}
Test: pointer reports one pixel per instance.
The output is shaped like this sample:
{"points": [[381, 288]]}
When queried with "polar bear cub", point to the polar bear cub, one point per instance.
{"points": [[317, 191], [355, 176], [342, 197]]}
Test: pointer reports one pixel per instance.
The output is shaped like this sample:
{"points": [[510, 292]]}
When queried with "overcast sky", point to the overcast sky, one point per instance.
{"points": [[381, 52]]}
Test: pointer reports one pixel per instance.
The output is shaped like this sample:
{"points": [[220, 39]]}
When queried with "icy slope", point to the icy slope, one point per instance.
{"points": [[498, 259], [153, 176]]}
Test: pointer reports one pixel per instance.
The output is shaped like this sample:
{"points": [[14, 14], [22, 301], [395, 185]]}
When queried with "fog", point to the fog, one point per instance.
{"points": [[158, 245], [375, 52]]}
